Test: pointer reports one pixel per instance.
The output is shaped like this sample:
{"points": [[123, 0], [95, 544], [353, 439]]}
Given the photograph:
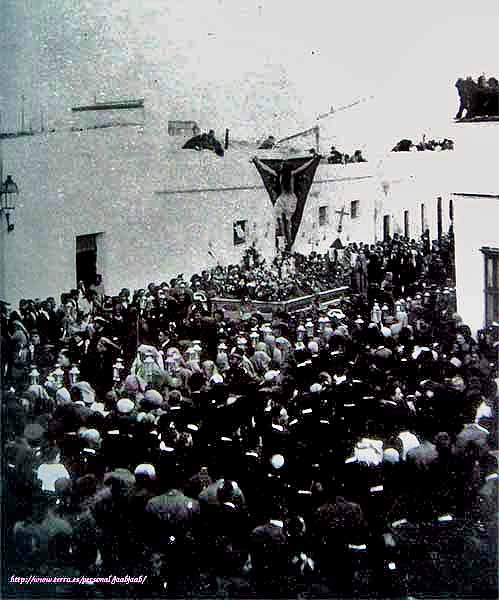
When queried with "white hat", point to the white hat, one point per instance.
{"points": [[87, 392], [316, 388], [391, 455], [125, 406], [271, 375], [336, 312], [153, 397], [92, 436], [99, 407], [146, 470], [277, 461], [62, 396], [313, 347]]}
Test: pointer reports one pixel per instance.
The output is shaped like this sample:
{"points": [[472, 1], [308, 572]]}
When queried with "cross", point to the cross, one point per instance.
{"points": [[342, 213]]}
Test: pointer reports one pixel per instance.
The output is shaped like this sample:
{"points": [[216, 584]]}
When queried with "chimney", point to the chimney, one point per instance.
{"points": [[226, 139]]}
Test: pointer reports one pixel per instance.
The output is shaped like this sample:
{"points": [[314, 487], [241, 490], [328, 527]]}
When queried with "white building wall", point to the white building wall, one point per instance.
{"points": [[67, 189], [410, 180], [107, 181], [476, 226], [336, 188], [476, 208], [160, 210]]}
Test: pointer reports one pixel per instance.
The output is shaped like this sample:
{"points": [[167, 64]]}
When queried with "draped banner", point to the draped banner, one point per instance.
{"points": [[288, 183]]}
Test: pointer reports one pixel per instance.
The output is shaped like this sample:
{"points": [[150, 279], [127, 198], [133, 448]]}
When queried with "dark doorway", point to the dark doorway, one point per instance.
{"points": [[86, 258], [406, 224], [386, 227], [451, 210], [439, 218]]}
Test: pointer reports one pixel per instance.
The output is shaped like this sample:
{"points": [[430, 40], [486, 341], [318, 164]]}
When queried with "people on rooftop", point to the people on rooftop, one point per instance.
{"points": [[205, 141], [337, 158], [478, 99], [268, 143], [433, 145]]}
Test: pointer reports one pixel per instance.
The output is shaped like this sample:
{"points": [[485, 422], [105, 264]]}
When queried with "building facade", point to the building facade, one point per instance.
{"points": [[132, 205], [127, 202], [476, 202]]}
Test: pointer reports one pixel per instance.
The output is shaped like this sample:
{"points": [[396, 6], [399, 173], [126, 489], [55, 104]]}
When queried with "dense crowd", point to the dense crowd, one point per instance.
{"points": [[343, 450], [433, 145], [478, 98], [339, 158], [289, 275]]}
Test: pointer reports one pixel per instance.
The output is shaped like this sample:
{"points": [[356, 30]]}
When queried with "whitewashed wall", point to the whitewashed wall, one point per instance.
{"points": [[336, 187], [412, 179], [476, 225], [476, 215], [162, 210]]}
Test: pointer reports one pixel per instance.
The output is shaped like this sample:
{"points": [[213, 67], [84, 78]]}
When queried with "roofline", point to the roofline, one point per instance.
{"points": [[495, 196], [112, 105], [249, 187], [489, 250], [491, 119]]}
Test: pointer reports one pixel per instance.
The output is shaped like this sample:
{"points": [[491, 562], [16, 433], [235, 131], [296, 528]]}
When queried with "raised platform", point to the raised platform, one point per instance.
{"points": [[233, 308], [485, 119]]}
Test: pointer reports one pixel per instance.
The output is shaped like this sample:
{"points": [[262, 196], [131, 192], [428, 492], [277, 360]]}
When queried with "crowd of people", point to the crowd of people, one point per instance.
{"points": [[335, 157], [205, 141], [399, 263], [289, 275], [478, 98], [432, 145], [339, 158], [336, 451]]}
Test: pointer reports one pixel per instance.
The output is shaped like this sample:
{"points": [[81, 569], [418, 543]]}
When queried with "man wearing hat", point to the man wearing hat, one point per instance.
{"points": [[269, 553], [172, 527], [114, 514], [42, 541], [4, 338], [97, 366]]}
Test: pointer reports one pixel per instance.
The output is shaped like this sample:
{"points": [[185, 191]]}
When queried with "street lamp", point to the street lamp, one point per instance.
{"points": [[74, 373], [59, 377], [34, 376], [8, 194]]}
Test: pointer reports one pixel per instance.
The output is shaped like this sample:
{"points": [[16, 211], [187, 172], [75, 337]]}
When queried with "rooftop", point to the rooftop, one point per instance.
{"points": [[111, 105]]}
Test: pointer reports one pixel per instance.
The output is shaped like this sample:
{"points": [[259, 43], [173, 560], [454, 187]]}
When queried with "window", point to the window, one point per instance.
{"points": [[406, 224], [354, 209], [491, 256], [239, 229], [86, 257], [386, 228], [423, 219], [323, 215], [439, 217]]}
